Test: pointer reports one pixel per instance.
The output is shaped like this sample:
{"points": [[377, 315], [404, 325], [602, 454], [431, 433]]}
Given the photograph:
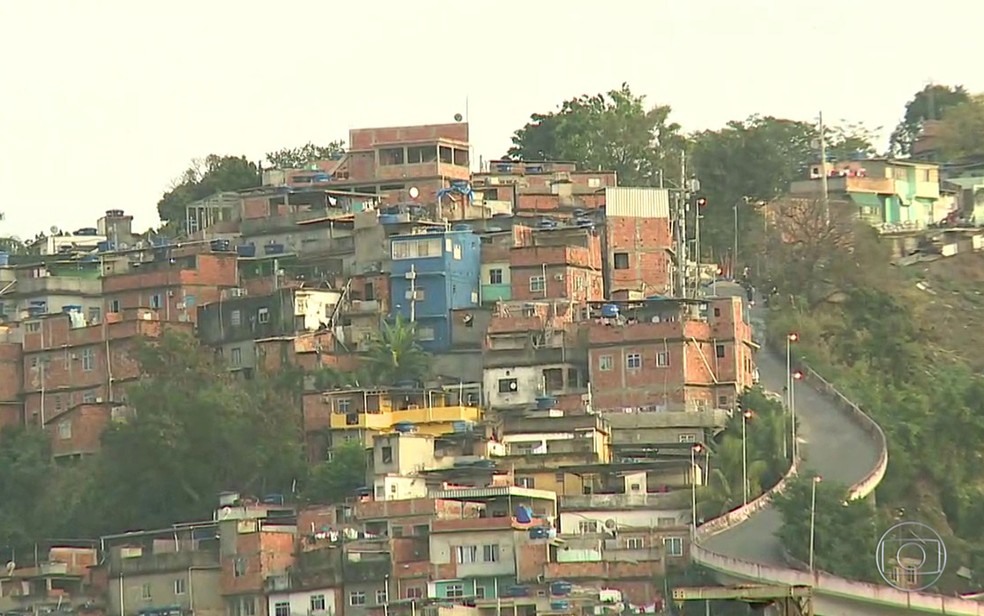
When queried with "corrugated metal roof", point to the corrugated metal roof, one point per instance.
{"points": [[637, 202], [472, 493]]}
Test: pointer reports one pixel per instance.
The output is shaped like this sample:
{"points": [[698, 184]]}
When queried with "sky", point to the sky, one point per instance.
{"points": [[104, 102]]}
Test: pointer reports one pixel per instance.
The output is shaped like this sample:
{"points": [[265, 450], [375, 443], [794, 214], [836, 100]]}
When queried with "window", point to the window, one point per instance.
{"points": [[387, 455], [414, 249], [357, 597], [586, 527], [145, 592], [480, 592], [390, 156], [33, 327], [454, 591], [114, 306], [559, 478], [236, 356], [723, 402], [456, 253], [495, 276], [88, 397], [239, 567], [673, 546], [538, 284], [594, 182], [235, 318], [179, 586], [688, 437], [317, 603], [65, 430], [445, 155], [633, 361], [490, 553], [525, 482], [281, 608], [88, 359], [621, 260], [634, 543], [717, 312], [381, 596], [247, 607], [263, 315], [461, 157], [662, 359], [605, 363], [719, 351], [343, 405], [508, 386], [156, 301], [425, 333], [423, 154], [94, 314], [415, 592], [466, 554]]}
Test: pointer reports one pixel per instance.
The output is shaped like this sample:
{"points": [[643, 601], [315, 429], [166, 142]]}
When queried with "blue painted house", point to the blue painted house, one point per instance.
{"points": [[433, 273]]}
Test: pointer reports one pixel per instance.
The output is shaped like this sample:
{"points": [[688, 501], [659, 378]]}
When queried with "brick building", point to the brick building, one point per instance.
{"points": [[637, 240], [661, 353], [75, 374], [11, 376], [560, 263], [542, 187], [174, 284]]}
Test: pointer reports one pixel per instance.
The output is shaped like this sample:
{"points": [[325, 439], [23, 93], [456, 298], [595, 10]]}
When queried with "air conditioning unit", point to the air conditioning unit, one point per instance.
{"points": [[558, 277]]}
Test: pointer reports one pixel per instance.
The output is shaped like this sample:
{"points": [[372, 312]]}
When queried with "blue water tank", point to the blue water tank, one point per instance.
{"points": [[4, 259], [545, 403], [461, 227], [560, 606], [273, 248], [246, 250], [561, 589], [389, 219], [71, 308], [524, 515], [404, 427], [609, 311], [104, 246], [219, 245]]}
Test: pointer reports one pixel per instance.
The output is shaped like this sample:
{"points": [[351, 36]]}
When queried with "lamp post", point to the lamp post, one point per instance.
{"points": [[813, 517], [696, 449], [745, 416], [797, 376], [790, 338]]}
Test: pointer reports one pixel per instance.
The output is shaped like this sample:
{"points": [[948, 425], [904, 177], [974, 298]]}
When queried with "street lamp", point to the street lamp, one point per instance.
{"points": [[790, 338], [696, 449], [797, 376], [745, 416], [813, 517]]}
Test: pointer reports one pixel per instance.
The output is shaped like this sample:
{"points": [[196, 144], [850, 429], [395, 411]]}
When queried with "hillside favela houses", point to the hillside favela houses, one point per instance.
{"points": [[543, 465]]}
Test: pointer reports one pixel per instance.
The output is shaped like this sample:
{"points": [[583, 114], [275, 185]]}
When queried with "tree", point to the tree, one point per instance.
{"points": [[298, 158], [614, 131], [203, 179], [843, 528], [396, 356], [25, 466], [753, 161], [961, 133], [930, 103], [337, 478], [187, 443]]}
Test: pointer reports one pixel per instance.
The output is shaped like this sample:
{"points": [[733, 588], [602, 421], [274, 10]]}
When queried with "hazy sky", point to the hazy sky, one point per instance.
{"points": [[104, 102]]}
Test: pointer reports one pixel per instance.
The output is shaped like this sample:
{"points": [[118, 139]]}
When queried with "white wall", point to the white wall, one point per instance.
{"points": [[443, 544], [300, 601], [395, 487], [315, 307], [570, 521], [529, 381]]}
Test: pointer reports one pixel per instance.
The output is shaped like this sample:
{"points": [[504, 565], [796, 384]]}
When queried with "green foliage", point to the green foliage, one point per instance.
{"points": [[335, 479], [614, 131], [753, 161], [765, 433], [396, 356], [25, 462], [843, 528], [961, 133], [298, 158], [930, 103], [205, 178]]}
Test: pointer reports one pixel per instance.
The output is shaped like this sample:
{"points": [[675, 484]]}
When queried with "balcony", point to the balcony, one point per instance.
{"points": [[163, 562], [615, 502], [59, 285], [386, 420]]}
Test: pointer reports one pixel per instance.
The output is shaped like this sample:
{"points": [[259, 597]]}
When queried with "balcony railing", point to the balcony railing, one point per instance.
{"points": [[667, 500]]}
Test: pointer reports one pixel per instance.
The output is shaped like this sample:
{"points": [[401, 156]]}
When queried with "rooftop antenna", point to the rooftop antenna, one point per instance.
{"points": [[54, 230]]}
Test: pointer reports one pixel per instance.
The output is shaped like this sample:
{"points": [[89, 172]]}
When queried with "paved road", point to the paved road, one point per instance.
{"points": [[830, 445]]}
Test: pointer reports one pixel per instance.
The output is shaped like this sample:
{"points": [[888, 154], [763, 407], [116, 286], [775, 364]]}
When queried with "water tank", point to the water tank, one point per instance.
{"points": [[524, 515], [405, 427], [4, 259], [561, 589], [246, 250], [87, 231], [560, 606], [219, 245], [389, 219], [273, 248], [104, 246], [114, 213], [545, 403], [609, 311], [461, 227]]}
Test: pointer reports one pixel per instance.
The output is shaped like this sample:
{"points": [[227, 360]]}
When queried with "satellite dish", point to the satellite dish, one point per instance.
{"points": [[457, 117], [54, 230], [610, 524], [414, 192], [10, 567]]}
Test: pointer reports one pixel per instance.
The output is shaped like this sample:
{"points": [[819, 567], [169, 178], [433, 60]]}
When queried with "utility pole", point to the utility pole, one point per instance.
{"points": [[823, 167], [681, 230], [412, 276]]}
